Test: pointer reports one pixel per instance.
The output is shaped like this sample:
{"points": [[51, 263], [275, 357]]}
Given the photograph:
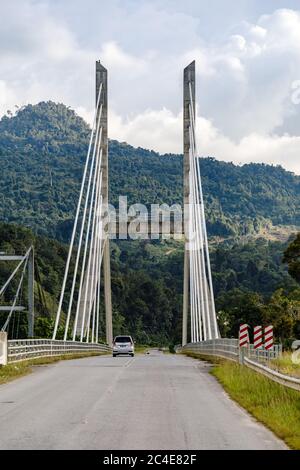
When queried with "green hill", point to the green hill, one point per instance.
{"points": [[42, 151], [147, 281]]}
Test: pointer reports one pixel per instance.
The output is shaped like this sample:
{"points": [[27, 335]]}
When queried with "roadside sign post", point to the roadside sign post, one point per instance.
{"points": [[243, 341]]}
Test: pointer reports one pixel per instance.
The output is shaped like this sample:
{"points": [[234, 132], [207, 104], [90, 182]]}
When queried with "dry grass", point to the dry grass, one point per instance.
{"points": [[274, 405]]}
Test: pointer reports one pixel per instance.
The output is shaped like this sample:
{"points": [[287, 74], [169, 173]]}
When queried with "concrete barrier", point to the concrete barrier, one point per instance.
{"points": [[3, 348]]}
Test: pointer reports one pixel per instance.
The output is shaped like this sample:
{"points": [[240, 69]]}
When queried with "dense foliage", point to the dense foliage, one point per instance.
{"points": [[147, 285], [292, 257], [42, 150]]}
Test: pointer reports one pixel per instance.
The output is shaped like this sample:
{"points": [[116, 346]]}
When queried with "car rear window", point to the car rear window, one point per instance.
{"points": [[122, 339]]}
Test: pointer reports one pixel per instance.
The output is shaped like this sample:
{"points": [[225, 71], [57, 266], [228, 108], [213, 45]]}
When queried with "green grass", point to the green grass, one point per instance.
{"points": [[285, 365], [19, 369], [141, 348], [274, 405]]}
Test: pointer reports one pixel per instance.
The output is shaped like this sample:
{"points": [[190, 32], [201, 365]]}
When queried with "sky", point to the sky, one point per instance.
{"points": [[247, 60]]}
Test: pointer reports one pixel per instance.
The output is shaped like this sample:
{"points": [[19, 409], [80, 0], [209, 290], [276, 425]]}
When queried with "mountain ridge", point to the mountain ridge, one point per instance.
{"points": [[42, 151], [42, 154]]}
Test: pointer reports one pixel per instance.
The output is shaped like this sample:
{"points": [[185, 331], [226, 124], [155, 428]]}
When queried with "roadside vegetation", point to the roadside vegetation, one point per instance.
{"points": [[147, 288], [285, 365], [274, 405], [140, 348], [19, 369]]}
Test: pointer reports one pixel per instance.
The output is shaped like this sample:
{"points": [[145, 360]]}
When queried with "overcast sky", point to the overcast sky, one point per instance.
{"points": [[247, 56]]}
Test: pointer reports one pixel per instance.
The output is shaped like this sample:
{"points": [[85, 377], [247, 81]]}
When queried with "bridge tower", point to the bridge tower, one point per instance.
{"points": [[198, 296], [89, 245], [101, 78], [91, 232], [188, 78]]}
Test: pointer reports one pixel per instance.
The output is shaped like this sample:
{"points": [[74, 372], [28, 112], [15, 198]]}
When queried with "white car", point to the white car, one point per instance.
{"points": [[123, 345]]}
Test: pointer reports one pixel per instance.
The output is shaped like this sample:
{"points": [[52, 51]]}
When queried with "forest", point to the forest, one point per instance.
{"points": [[251, 283], [42, 152]]}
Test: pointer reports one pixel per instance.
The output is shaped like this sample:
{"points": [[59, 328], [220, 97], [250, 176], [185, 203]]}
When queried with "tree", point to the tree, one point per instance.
{"points": [[236, 307], [43, 327], [279, 312], [292, 258]]}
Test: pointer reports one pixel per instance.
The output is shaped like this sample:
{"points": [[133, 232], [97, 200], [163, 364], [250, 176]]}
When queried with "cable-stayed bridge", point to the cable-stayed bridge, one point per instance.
{"points": [[90, 236], [88, 281], [152, 401]]}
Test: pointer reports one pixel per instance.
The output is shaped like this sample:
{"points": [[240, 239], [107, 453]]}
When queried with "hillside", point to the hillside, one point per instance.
{"points": [[42, 150], [42, 153], [147, 284]]}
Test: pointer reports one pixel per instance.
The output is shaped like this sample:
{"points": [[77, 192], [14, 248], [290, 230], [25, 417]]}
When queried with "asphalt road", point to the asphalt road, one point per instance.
{"points": [[153, 401]]}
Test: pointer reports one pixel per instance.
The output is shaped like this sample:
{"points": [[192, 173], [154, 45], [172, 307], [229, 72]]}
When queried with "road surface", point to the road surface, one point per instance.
{"points": [[156, 401]]}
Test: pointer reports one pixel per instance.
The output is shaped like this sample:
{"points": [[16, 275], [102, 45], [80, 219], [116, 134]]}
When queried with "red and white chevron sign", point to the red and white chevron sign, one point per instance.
{"points": [[269, 337], [244, 335], [258, 337]]}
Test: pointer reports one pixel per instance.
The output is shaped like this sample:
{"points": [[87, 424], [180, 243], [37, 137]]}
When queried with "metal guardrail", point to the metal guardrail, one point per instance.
{"points": [[228, 348], [287, 380], [24, 349], [263, 355], [254, 359]]}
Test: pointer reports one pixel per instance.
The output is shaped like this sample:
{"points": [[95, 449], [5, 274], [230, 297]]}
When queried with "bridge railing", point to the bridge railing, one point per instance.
{"points": [[257, 360], [25, 349], [263, 355], [228, 348]]}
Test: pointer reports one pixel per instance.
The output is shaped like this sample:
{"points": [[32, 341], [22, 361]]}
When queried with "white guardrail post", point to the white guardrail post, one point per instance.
{"points": [[3, 348], [241, 355]]}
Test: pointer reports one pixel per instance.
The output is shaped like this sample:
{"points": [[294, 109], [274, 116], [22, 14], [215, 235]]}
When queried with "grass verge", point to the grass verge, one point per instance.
{"points": [[285, 365], [141, 348], [274, 405], [19, 369]]}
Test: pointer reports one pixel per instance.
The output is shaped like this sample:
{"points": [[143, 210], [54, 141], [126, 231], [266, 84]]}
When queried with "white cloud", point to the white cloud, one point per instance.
{"points": [[165, 127], [116, 60], [258, 148], [150, 127], [257, 32], [6, 95], [245, 71]]}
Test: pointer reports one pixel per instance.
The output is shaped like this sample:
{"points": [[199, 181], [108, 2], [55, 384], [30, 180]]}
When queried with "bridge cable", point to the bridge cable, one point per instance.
{"points": [[87, 292], [195, 257], [79, 299], [89, 276], [82, 228], [202, 227], [93, 252], [198, 254], [76, 218]]}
